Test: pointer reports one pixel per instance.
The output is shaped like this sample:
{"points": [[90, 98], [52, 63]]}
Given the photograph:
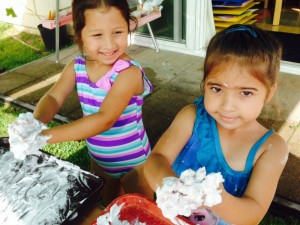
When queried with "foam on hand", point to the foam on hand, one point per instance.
{"points": [[25, 136], [193, 189]]}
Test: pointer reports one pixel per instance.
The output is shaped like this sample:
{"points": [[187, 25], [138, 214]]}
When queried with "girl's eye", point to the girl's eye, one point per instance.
{"points": [[97, 35], [118, 32], [216, 89], [246, 93]]}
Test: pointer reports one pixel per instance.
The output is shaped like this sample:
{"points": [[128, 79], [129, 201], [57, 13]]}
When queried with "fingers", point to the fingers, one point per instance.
{"points": [[25, 135]]}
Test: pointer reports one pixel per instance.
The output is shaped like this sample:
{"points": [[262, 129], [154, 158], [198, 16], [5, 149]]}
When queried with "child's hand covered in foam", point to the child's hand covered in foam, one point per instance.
{"points": [[24, 135], [180, 196]]}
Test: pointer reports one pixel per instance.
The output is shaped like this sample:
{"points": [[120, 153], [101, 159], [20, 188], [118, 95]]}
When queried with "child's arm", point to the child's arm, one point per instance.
{"points": [[158, 165], [128, 83], [53, 100], [252, 207]]}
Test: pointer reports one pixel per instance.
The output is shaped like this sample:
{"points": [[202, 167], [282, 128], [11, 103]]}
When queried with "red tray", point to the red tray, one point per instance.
{"points": [[146, 210]]}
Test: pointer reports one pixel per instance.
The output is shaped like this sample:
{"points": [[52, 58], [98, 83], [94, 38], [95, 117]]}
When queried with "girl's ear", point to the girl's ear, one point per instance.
{"points": [[271, 93]]}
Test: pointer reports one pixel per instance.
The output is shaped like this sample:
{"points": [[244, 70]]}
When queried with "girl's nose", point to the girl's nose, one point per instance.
{"points": [[228, 103], [109, 42]]}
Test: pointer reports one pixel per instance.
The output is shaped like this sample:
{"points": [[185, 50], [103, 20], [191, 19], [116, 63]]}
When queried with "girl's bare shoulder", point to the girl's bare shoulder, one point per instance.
{"points": [[188, 110], [186, 115], [278, 141], [69, 68], [276, 147]]}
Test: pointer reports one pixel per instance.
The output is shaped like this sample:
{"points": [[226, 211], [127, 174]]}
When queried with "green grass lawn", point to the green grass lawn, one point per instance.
{"points": [[76, 152], [73, 151], [18, 48]]}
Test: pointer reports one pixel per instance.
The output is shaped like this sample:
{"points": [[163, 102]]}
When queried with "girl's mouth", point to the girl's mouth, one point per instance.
{"points": [[109, 53], [227, 119]]}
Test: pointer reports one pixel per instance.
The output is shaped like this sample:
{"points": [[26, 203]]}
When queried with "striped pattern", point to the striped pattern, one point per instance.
{"points": [[126, 144]]}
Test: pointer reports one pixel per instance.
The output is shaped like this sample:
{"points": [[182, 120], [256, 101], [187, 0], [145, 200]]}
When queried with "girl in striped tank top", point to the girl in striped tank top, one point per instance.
{"points": [[111, 87]]}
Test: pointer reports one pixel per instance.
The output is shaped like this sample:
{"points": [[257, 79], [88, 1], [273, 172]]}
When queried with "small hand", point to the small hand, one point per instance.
{"points": [[25, 135], [192, 190]]}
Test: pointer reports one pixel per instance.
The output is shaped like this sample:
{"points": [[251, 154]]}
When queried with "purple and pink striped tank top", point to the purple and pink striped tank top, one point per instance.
{"points": [[126, 144]]}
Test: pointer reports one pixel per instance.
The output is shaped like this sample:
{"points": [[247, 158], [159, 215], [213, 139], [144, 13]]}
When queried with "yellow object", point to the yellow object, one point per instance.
{"points": [[249, 22], [235, 11], [234, 6], [242, 21], [233, 18], [51, 15]]}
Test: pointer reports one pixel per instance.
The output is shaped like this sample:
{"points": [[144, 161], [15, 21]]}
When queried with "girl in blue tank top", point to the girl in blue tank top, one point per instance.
{"points": [[220, 130]]}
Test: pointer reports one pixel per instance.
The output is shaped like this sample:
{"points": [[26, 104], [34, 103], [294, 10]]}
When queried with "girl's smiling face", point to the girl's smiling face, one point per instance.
{"points": [[234, 97], [105, 35]]}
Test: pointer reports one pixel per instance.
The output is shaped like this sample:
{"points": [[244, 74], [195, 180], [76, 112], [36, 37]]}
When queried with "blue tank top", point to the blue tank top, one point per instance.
{"points": [[204, 150]]}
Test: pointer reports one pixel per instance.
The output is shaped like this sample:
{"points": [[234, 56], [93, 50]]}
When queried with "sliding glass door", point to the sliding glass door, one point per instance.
{"points": [[171, 26]]}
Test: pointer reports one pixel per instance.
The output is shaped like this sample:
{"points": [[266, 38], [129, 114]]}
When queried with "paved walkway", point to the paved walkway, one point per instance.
{"points": [[176, 78]]}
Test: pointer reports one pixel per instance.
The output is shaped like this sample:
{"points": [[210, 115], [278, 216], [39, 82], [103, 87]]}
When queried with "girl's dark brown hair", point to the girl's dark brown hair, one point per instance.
{"points": [[79, 7], [248, 46]]}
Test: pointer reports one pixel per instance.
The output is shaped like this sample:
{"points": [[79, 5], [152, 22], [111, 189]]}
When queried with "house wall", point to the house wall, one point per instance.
{"points": [[29, 12]]}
